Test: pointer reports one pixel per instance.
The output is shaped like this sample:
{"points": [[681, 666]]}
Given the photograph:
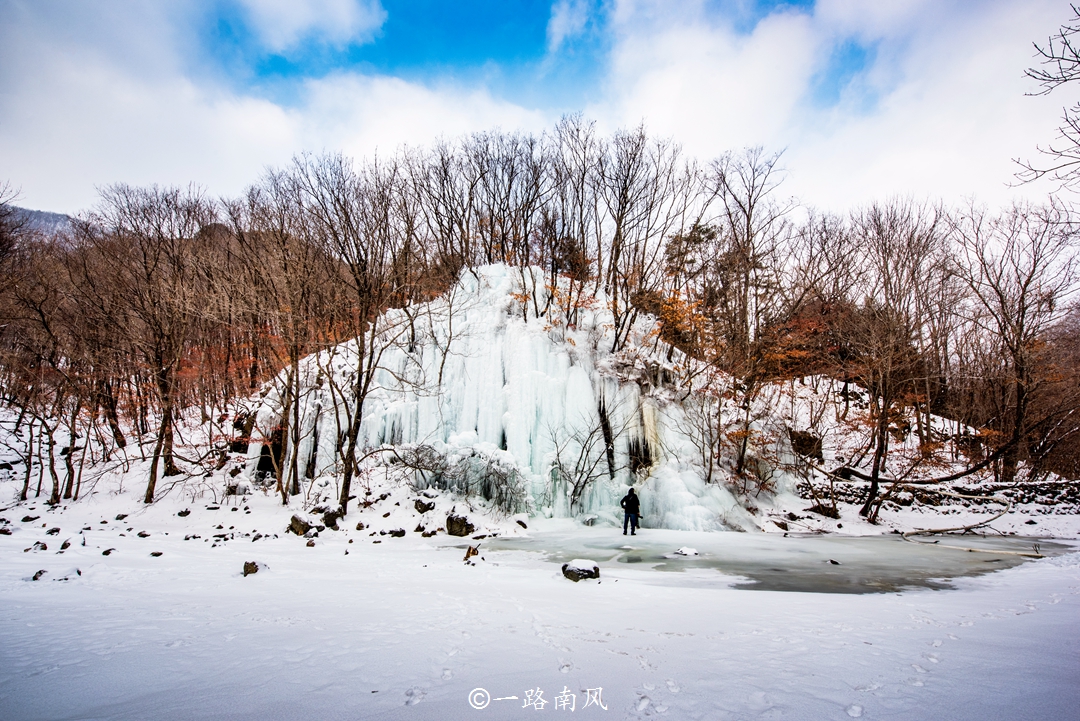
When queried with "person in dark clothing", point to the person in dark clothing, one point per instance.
{"points": [[632, 508]]}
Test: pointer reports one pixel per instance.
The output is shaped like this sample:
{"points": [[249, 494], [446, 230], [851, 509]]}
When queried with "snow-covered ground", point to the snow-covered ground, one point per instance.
{"points": [[114, 609], [362, 626]]}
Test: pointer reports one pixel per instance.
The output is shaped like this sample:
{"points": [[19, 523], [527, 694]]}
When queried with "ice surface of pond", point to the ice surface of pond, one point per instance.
{"points": [[806, 563]]}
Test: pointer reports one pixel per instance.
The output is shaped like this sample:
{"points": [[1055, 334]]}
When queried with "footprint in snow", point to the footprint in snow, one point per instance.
{"points": [[932, 658], [447, 674], [565, 667], [936, 643], [643, 703], [954, 638], [919, 668], [854, 710], [672, 686], [413, 696]]}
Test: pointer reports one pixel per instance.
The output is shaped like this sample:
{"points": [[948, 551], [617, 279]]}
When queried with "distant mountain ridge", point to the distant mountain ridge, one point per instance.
{"points": [[42, 221]]}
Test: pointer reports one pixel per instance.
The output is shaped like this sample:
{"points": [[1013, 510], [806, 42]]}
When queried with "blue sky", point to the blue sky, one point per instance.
{"points": [[867, 99]]}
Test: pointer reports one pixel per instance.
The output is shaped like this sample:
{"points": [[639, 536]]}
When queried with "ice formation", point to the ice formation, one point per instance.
{"points": [[485, 397]]}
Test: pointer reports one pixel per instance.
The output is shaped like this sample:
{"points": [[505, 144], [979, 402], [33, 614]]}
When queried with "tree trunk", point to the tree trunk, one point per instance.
{"points": [[151, 485]]}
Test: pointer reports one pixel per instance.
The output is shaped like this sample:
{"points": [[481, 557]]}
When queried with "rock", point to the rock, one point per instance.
{"points": [[1031, 522], [835, 563], [823, 510], [30, 519], [184, 513], [143, 534], [155, 554], [419, 528], [398, 533], [386, 515], [38, 546], [422, 507], [250, 567], [360, 526], [39, 574], [121, 516], [806, 444], [5, 467], [65, 545], [458, 525], [5, 531], [52, 531], [472, 551], [580, 568], [330, 518], [311, 543], [107, 551], [428, 534], [298, 525], [588, 520], [521, 523], [782, 525]]}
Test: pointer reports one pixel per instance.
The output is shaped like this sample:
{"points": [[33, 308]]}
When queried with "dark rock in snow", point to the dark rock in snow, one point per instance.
{"points": [[360, 525], [39, 574], [250, 567], [521, 523], [299, 526], [5, 531], [121, 516], [107, 551], [38, 546], [52, 531], [422, 507], [386, 515], [806, 444], [782, 525], [330, 518], [184, 513], [577, 570], [835, 563], [311, 543], [472, 551], [823, 510], [5, 467], [419, 528], [155, 554], [458, 525], [30, 519], [143, 534], [398, 533]]}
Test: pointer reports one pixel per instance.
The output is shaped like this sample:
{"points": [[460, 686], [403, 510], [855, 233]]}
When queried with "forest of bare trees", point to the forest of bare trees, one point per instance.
{"points": [[164, 304]]}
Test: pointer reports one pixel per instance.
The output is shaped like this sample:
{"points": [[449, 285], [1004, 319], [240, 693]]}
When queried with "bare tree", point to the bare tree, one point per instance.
{"points": [[1021, 268], [1060, 65]]}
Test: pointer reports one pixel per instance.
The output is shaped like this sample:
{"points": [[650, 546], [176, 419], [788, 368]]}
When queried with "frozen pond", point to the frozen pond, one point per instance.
{"points": [[806, 563]]}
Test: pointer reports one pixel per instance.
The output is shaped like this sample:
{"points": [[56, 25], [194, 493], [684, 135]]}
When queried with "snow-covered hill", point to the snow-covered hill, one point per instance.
{"points": [[479, 394]]}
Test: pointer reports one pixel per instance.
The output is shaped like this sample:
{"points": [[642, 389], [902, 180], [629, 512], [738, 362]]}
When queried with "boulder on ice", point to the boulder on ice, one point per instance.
{"points": [[580, 568]]}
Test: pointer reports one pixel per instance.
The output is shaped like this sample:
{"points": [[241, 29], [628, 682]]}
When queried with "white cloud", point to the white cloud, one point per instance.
{"points": [[90, 96], [76, 114], [950, 112], [282, 24], [568, 19]]}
